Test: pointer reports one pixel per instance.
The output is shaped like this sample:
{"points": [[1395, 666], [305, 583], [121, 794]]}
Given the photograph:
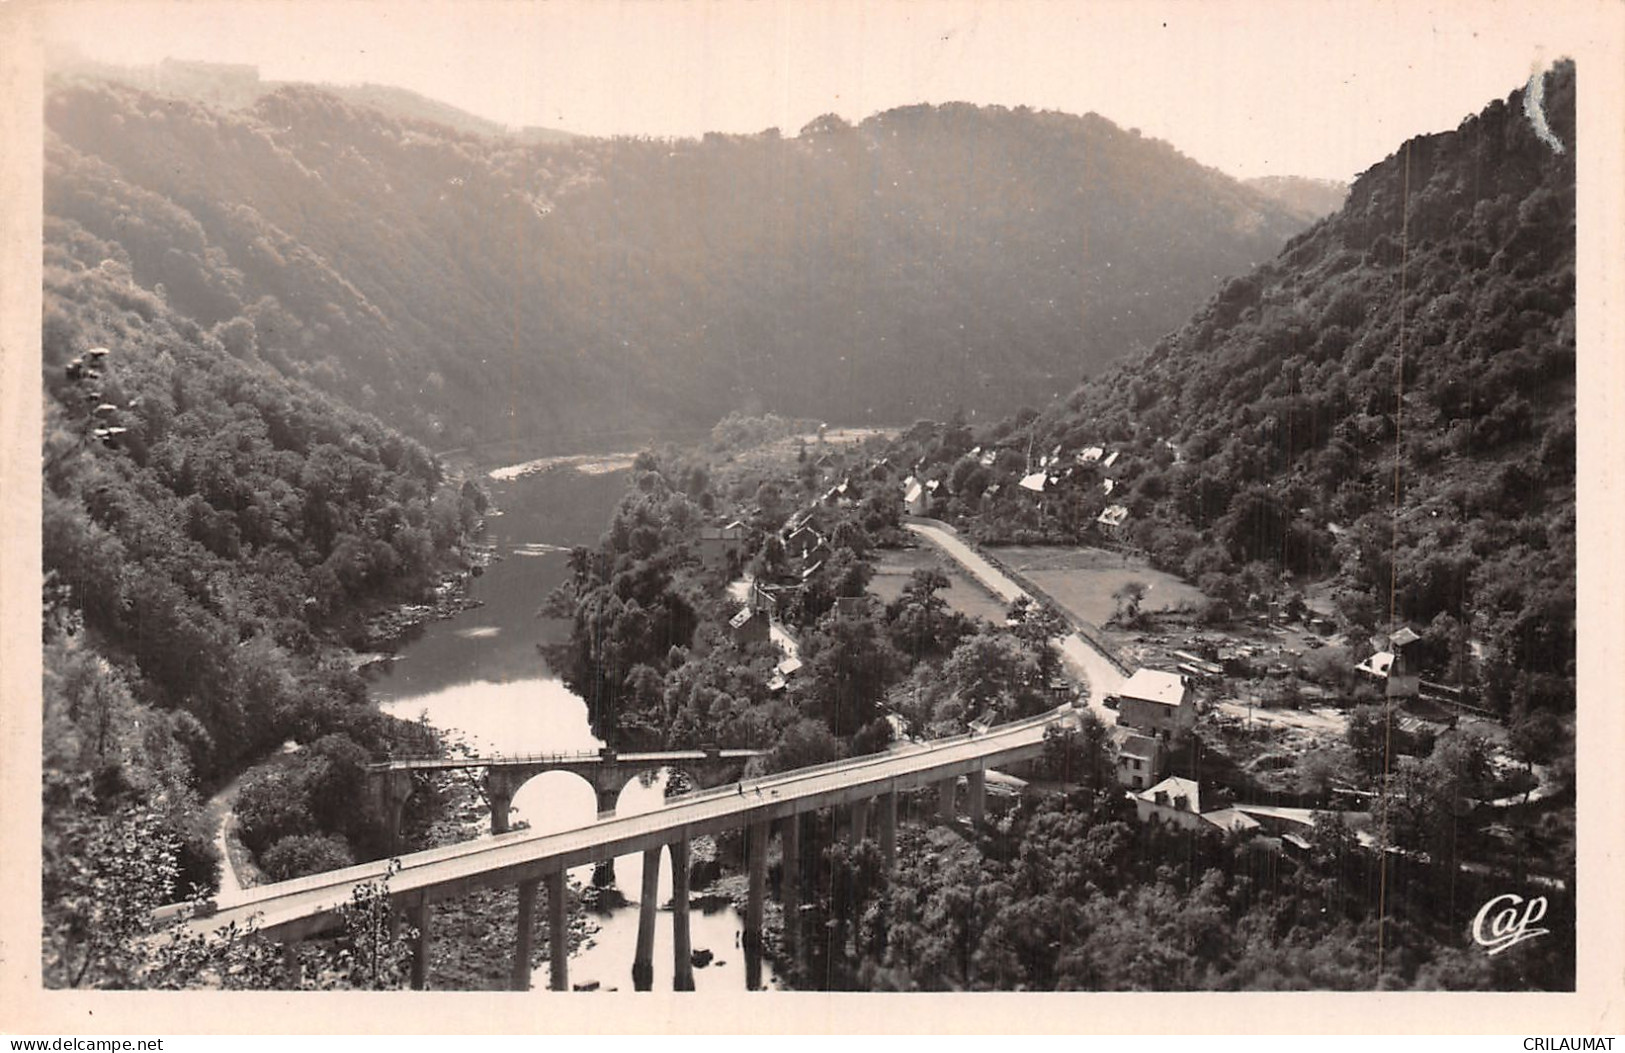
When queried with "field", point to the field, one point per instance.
{"points": [[1082, 580], [893, 567]]}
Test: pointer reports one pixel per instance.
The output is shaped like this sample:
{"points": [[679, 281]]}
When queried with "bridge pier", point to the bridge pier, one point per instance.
{"points": [[976, 795], [681, 948], [888, 828], [393, 791], [420, 914], [756, 892], [643, 960], [945, 799], [790, 879], [859, 822], [519, 976], [291, 963], [499, 790], [558, 933], [603, 871]]}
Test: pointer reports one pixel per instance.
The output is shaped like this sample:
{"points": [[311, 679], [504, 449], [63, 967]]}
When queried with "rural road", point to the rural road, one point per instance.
{"points": [[1077, 654]]}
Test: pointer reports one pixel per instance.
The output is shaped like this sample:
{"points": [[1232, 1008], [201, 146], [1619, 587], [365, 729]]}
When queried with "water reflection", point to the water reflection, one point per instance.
{"points": [[481, 676]]}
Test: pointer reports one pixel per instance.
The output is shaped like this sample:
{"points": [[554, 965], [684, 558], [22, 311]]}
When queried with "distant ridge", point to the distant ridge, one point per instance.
{"points": [[468, 286], [237, 87], [1309, 198]]}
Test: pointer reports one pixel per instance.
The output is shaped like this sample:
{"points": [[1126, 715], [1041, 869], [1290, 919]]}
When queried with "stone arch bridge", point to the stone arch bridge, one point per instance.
{"points": [[607, 771]]}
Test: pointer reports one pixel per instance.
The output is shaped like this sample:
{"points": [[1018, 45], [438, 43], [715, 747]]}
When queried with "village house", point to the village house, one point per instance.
{"points": [[1173, 800], [722, 547], [916, 498], [782, 674], [1178, 802], [1389, 664], [1157, 703], [1140, 758], [806, 543], [748, 627], [1111, 520]]}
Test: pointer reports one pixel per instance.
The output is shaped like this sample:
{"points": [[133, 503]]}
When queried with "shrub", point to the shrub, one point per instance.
{"points": [[301, 854]]}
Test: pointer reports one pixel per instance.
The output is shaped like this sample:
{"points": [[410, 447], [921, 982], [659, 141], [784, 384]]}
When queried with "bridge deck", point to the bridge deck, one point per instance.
{"points": [[291, 909], [663, 759]]}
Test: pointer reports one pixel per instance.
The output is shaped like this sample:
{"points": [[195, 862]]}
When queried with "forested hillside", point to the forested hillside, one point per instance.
{"points": [[211, 531], [468, 287], [1390, 404]]}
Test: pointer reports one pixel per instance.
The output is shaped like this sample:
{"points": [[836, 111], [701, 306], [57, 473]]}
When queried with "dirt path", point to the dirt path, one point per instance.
{"points": [[237, 869]]}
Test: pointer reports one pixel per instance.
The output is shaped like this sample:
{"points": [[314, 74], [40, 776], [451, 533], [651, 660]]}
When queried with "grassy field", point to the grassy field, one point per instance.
{"points": [[893, 567], [1083, 579]]}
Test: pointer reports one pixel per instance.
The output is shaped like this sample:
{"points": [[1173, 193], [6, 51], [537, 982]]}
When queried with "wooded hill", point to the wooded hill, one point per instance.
{"points": [[1389, 402], [211, 530], [468, 287]]}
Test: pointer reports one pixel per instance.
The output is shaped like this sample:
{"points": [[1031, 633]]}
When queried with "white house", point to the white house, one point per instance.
{"points": [[1157, 703], [1173, 800]]}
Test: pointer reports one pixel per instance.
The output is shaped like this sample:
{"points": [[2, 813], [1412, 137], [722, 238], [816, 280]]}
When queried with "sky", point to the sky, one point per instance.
{"points": [[1321, 88]]}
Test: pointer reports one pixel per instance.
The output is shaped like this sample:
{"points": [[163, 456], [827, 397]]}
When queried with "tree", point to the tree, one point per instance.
{"points": [[991, 673], [1082, 756], [920, 623], [1036, 624], [1128, 598], [851, 663], [1535, 737], [105, 875]]}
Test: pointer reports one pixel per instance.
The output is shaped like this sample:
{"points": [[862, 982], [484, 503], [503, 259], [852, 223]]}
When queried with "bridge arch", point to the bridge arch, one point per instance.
{"points": [[541, 796], [606, 774]]}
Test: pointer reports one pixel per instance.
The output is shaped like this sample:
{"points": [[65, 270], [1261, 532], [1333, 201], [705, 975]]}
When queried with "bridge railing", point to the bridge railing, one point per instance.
{"points": [[429, 760], [852, 763], [576, 757]]}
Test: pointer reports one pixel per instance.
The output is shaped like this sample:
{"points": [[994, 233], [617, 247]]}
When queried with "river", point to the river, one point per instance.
{"points": [[481, 676]]}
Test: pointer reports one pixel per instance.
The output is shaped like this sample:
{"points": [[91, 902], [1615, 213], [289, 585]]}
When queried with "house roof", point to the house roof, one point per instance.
{"points": [[1231, 819], [1154, 685], [1111, 458], [740, 619], [1035, 482], [1113, 515], [1378, 664], [788, 666], [1406, 635], [1133, 744], [1174, 788], [913, 492]]}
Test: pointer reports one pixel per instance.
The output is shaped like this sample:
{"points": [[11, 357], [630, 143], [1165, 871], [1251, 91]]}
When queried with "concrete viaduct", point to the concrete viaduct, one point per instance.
{"points": [[867, 786], [606, 770]]}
